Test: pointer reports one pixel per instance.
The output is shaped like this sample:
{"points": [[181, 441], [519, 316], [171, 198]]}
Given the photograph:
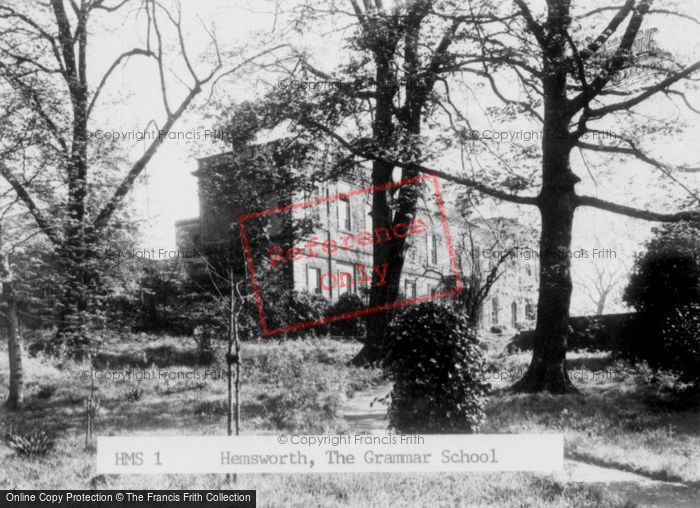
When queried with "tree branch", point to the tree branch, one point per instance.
{"points": [[660, 87], [532, 25], [468, 182], [637, 213]]}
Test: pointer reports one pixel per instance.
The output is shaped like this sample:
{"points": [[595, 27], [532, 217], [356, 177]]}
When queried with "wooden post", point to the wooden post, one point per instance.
{"points": [[233, 357]]}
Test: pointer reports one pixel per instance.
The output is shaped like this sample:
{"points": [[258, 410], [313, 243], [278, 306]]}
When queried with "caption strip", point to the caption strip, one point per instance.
{"points": [[349, 453]]}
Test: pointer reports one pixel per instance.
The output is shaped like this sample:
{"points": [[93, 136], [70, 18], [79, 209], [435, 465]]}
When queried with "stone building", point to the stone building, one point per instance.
{"points": [[343, 218]]}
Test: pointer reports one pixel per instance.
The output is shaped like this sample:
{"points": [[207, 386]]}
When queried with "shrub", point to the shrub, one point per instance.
{"points": [[134, 394], [434, 359], [32, 443], [211, 408], [680, 338], [663, 288], [292, 307], [667, 275], [205, 350], [46, 391], [352, 327]]}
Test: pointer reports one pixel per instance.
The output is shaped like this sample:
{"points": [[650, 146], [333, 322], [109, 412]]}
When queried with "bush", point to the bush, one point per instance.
{"points": [[134, 394], [667, 275], [664, 288], [205, 349], [352, 327], [211, 408], [32, 443], [293, 307], [680, 338], [434, 359], [46, 391]]}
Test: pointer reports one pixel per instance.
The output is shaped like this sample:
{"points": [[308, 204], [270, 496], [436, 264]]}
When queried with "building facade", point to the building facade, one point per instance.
{"points": [[343, 219]]}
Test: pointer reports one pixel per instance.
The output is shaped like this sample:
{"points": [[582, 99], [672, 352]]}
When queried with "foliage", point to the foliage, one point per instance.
{"points": [[680, 343], [665, 290], [134, 393], [291, 307], [435, 360], [668, 273], [311, 401], [350, 327], [30, 443], [46, 391], [211, 408]]}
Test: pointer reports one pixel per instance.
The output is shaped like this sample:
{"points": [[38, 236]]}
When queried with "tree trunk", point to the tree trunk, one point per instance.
{"points": [[602, 300], [14, 342], [379, 295], [72, 334], [393, 255], [557, 204], [547, 370], [382, 131], [77, 301]]}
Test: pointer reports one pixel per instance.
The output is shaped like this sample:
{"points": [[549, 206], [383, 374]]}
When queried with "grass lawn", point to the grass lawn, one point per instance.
{"points": [[301, 386], [620, 420]]}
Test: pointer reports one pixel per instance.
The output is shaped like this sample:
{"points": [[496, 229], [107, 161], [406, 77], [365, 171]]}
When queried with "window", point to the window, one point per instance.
{"points": [[529, 311], [513, 314], [313, 282], [434, 249], [410, 289], [344, 213], [410, 251], [346, 280], [495, 318], [316, 209]]}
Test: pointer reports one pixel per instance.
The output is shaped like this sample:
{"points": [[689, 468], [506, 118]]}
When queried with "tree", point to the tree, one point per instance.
{"points": [[503, 240], [600, 285], [16, 136], [45, 59], [476, 241], [386, 92], [573, 98], [14, 338]]}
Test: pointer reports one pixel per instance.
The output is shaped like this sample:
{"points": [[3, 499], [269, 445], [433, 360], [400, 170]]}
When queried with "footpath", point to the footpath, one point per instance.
{"points": [[366, 416]]}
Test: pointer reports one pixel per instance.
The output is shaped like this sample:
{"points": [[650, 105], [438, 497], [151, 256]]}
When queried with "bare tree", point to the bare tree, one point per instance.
{"points": [[480, 278], [600, 285]]}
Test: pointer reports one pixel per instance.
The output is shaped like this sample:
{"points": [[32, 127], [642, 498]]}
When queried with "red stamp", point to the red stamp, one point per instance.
{"points": [[335, 257]]}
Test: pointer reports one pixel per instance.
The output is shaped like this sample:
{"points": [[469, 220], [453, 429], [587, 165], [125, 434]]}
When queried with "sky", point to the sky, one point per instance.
{"points": [[168, 192]]}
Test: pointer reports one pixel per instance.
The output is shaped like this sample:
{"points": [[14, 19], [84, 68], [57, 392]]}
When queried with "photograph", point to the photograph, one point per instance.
{"points": [[349, 253]]}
